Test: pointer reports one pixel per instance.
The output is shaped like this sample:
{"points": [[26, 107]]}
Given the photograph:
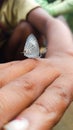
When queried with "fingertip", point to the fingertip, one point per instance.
{"points": [[18, 124]]}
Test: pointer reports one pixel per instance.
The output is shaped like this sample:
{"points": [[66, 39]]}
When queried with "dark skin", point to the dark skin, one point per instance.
{"points": [[13, 50], [16, 42]]}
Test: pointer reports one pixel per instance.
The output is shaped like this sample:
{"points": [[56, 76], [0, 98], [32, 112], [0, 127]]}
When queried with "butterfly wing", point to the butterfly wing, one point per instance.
{"points": [[31, 48]]}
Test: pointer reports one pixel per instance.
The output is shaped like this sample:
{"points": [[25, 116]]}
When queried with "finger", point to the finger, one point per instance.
{"points": [[20, 93], [48, 108], [14, 70], [4, 65]]}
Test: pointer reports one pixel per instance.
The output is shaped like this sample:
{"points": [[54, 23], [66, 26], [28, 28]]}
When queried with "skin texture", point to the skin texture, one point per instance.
{"points": [[55, 93], [44, 89]]}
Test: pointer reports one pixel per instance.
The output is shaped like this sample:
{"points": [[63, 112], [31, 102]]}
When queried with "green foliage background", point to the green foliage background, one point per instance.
{"points": [[59, 7]]}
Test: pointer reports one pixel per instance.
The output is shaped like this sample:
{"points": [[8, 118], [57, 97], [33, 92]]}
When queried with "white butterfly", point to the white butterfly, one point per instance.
{"points": [[31, 48]]}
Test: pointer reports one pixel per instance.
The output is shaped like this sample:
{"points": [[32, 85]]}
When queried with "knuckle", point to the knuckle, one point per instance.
{"points": [[41, 107], [23, 25], [62, 94], [28, 85], [2, 82], [24, 84]]}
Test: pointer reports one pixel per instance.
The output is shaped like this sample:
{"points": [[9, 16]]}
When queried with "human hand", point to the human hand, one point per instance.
{"points": [[54, 94], [24, 88]]}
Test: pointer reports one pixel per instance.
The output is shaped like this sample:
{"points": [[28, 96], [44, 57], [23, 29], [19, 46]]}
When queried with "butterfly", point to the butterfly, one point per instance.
{"points": [[31, 48]]}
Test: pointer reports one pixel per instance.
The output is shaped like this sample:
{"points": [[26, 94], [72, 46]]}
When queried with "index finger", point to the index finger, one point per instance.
{"points": [[11, 71]]}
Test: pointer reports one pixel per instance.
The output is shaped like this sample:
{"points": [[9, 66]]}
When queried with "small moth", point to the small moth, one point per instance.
{"points": [[31, 48]]}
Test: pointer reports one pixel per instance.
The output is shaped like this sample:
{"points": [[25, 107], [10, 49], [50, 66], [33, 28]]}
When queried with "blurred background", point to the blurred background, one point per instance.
{"points": [[66, 123]]}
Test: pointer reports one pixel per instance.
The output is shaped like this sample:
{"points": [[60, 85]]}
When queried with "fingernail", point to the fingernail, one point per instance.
{"points": [[18, 124]]}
